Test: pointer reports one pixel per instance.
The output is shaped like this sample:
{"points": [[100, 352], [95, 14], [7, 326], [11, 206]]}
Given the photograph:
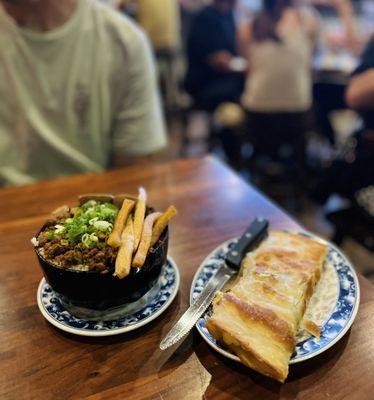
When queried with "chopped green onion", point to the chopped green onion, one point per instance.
{"points": [[103, 225], [59, 229], [50, 235], [88, 221]]}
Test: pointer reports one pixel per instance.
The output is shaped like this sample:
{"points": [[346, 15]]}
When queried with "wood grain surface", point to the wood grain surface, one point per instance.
{"points": [[39, 361]]}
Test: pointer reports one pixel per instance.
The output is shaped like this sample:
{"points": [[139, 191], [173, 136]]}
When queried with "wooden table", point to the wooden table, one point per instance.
{"points": [[39, 361]]}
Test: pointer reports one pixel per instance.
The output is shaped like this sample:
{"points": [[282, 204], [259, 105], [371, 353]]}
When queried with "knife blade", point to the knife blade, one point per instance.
{"points": [[230, 266]]}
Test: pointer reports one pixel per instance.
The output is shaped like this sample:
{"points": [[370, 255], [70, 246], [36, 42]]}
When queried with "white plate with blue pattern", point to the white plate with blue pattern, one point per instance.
{"points": [[145, 310], [333, 306]]}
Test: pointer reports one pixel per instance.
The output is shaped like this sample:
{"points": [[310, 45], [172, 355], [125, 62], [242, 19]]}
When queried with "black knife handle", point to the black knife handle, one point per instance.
{"points": [[252, 235]]}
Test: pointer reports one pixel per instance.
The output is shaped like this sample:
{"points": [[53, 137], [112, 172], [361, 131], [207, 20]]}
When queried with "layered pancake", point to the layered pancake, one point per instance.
{"points": [[259, 317]]}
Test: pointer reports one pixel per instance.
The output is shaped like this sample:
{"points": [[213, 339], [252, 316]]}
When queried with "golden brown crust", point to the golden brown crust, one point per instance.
{"points": [[292, 246], [258, 319], [266, 317], [247, 354], [311, 327]]}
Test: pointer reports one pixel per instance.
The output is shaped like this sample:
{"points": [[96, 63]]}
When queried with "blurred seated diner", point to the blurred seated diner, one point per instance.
{"points": [[342, 39], [214, 74], [352, 175], [78, 90], [278, 44]]}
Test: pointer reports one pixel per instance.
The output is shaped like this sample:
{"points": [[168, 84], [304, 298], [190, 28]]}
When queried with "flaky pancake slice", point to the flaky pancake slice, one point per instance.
{"points": [[261, 339], [259, 317]]}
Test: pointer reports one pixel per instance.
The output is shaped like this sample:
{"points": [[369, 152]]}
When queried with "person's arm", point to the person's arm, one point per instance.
{"points": [[208, 40], [220, 60], [138, 129], [360, 91]]}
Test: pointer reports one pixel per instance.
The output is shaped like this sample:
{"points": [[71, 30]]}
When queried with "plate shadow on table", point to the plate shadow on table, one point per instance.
{"points": [[242, 379], [148, 363], [159, 362], [321, 362]]}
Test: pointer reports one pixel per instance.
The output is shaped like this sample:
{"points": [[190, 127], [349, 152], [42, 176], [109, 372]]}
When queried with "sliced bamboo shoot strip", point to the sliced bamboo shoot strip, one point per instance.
{"points": [[124, 256], [139, 216], [162, 222], [114, 239], [145, 240]]}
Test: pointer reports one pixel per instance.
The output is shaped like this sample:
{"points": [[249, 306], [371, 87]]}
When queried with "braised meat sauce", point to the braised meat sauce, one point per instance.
{"points": [[66, 254]]}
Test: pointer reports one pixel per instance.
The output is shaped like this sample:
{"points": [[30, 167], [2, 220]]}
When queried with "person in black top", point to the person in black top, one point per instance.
{"points": [[353, 176], [211, 46], [355, 171], [360, 91]]}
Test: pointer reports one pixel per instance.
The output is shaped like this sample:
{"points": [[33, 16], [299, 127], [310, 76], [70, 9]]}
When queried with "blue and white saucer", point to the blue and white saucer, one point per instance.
{"points": [[333, 306], [145, 310]]}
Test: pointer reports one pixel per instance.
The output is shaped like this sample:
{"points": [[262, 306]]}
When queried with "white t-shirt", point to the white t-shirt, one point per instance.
{"points": [[71, 97]]}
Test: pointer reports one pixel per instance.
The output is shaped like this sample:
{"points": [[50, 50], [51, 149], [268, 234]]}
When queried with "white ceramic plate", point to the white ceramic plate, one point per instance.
{"points": [[334, 306], [149, 307]]}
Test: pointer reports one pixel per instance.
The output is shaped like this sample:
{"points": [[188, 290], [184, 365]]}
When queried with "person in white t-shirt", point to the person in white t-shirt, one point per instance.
{"points": [[78, 90]]}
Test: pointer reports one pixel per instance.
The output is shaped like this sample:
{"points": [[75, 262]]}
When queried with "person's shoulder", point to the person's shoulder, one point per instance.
{"points": [[120, 27]]}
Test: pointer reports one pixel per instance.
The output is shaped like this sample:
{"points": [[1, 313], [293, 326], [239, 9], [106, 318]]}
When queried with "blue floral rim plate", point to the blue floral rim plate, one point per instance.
{"points": [[145, 310], [333, 306]]}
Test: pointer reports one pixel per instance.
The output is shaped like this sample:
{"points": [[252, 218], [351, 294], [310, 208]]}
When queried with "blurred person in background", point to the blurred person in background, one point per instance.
{"points": [[211, 78], [278, 44], [245, 9], [355, 170], [78, 90], [337, 58], [360, 91], [350, 37], [360, 97], [188, 9]]}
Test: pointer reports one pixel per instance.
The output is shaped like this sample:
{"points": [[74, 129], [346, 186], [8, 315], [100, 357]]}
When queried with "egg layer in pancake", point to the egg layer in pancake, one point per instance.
{"points": [[259, 317]]}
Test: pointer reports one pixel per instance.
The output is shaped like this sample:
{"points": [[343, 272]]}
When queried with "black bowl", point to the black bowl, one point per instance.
{"points": [[97, 291]]}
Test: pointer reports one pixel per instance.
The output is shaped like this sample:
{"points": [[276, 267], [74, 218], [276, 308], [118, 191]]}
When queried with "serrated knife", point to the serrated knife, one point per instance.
{"points": [[230, 266]]}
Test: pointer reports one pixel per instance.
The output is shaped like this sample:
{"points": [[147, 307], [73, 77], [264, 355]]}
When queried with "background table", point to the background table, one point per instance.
{"points": [[39, 361]]}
